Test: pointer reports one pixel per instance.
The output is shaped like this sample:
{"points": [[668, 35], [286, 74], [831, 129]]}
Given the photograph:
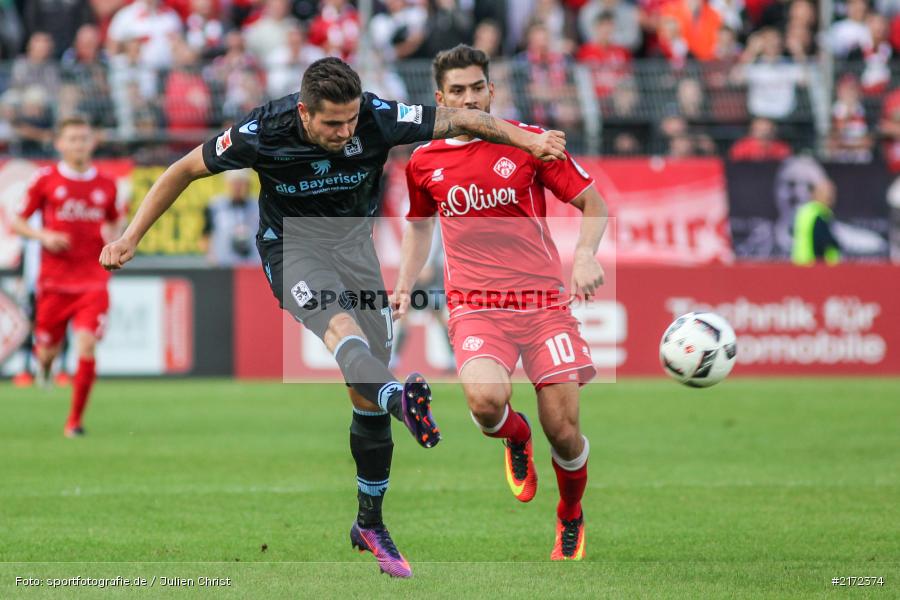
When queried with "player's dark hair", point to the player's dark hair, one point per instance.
{"points": [[460, 57], [71, 121], [329, 79]]}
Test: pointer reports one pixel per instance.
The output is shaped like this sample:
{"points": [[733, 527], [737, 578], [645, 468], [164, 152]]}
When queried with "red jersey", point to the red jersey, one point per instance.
{"points": [[77, 204], [504, 257]]}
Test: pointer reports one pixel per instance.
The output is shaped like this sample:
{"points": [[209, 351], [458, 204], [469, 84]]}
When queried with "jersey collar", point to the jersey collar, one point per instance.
{"points": [[70, 173], [456, 142]]}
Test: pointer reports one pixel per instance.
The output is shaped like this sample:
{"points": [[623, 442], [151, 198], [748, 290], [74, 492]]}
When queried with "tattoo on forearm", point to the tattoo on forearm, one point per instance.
{"points": [[451, 122]]}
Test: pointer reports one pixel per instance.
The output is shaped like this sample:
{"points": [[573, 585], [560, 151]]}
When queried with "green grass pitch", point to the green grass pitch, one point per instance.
{"points": [[754, 488]]}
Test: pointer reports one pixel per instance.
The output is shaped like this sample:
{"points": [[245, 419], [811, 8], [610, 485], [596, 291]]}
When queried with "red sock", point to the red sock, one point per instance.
{"points": [[81, 389], [571, 489], [514, 428]]}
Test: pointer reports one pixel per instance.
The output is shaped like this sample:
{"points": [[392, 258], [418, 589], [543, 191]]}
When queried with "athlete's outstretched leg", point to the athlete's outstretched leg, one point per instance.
{"points": [[372, 449], [374, 381], [558, 411], [85, 375], [488, 390]]}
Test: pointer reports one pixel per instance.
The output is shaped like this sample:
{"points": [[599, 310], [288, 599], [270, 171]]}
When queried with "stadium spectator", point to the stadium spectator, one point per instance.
{"points": [[397, 33], [33, 122], [285, 65], [245, 90], [562, 30], [849, 139], [698, 25], [760, 144], [771, 78], [731, 11], [626, 144], [230, 222], [814, 240], [383, 81], [226, 71], [204, 32], [85, 66], [151, 22], [624, 101], [548, 89], [270, 32], [876, 54], [488, 38], [675, 137], [851, 33], [37, 68], [627, 22], [104, 11], [691, 99], [607, 62], [187, 102], [726, 103], [132, 86], [449, 24], [12, 33], [890, 129], [59, 19], [336, 28]]}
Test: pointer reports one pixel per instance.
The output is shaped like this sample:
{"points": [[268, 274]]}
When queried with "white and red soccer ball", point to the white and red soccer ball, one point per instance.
{"points": [[698, 349]]}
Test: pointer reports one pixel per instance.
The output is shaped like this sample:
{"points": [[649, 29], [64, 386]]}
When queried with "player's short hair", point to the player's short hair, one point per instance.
{"points": [[460, 57], [72, 121], [329, 79]]}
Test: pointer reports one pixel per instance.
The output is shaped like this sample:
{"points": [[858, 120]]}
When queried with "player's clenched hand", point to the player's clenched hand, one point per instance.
{"points": [[399, 302], [550, 145], [115, 254], [54, 241], [587, 276]]}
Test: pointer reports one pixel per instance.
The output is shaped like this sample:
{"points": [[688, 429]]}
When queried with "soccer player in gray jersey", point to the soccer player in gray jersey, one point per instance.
{"points": [[320, 153]]}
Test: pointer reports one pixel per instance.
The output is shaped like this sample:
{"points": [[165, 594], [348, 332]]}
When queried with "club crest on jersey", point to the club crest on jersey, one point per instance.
{"points": [[472, 343], [301, 293], [223, 142], [438, 174], [98, 197], [353, 147], [60, 192], [504, 168]]}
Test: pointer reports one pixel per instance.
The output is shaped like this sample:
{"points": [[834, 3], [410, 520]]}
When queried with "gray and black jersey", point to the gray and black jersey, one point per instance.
{"points": [[301, 179]]}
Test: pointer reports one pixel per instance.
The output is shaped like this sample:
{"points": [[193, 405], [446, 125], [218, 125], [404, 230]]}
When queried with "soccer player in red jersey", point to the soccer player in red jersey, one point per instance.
{"points": [[503, 279], [78, 206]]}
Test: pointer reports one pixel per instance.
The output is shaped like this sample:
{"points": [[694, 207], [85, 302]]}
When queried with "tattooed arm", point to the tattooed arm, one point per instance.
{"points": [[451, 122]]}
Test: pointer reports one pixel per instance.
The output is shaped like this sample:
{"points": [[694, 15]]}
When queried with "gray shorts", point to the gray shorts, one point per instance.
{"points": [[315, 281]]}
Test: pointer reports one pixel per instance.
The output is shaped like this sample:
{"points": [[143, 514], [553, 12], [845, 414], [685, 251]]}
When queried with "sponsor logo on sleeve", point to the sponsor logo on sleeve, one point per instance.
{"points": [[578, 168], [380, 104], [223, 142], [409, 114], [250, 128]]}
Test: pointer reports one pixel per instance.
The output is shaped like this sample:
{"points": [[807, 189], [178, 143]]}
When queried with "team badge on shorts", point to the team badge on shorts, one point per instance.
{"points": [[472, 343], [302, 294], [504, 168]]}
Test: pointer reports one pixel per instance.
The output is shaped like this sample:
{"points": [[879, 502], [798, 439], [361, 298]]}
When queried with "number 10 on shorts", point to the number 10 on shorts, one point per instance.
{"points": [[560, 347]]}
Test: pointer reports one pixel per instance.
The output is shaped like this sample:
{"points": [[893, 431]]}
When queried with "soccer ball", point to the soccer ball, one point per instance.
{"points": [[698, 349]]}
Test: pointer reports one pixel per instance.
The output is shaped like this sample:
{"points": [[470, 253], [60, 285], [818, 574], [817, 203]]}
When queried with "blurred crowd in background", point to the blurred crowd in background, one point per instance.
{"points": [[749, 79]]}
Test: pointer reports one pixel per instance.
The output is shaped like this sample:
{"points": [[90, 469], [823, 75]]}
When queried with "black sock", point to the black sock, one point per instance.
{"points": [[372, 449], [368, 375]]}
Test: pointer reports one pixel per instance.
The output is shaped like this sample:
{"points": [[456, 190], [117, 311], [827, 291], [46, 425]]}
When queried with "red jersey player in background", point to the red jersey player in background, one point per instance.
{"points": [[492, 207], [78, 207]]}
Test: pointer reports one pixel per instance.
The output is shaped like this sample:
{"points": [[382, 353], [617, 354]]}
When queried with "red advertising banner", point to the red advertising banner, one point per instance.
{"points": [[816, 321], [672, 212]]}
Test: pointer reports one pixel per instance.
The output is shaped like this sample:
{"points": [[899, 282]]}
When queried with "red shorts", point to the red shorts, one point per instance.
{"points": [[86, 310], [548, 341]]}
